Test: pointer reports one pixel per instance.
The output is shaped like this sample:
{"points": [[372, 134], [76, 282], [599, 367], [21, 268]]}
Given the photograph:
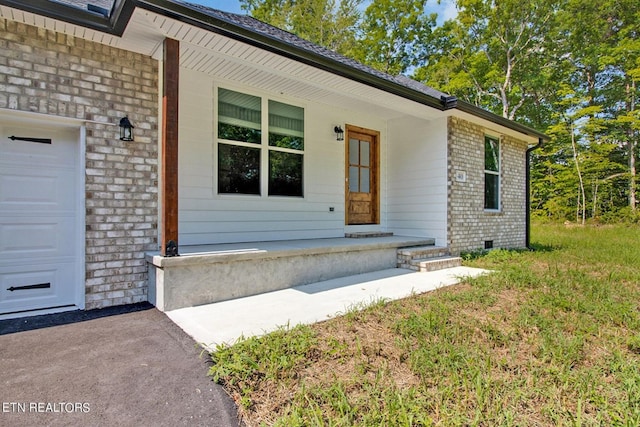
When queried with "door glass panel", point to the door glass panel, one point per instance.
{"points": [[364, 180], [354, 151], [354, 184], [364, 153]]}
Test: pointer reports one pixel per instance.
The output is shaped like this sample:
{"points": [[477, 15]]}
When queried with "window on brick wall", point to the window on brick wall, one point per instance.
{"points": [[491, 173], [251, 161]]}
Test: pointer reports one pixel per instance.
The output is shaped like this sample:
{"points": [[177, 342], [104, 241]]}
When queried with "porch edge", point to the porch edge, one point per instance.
{"points": [[273, 250]]}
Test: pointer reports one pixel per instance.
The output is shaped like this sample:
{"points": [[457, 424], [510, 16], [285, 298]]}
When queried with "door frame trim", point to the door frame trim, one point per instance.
{"points": [[375, 134]]}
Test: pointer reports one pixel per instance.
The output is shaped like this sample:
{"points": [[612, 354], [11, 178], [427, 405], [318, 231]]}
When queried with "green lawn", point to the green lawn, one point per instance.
{"points": [[552, 337]]}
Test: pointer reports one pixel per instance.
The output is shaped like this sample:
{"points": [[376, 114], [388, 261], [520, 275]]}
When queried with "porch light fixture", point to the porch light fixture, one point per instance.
{"points": [[126, 129], [339, 133]]}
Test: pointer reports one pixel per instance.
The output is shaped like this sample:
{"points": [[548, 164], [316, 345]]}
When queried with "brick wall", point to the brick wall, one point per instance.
{"points": [[51, 73], [468, 224]]}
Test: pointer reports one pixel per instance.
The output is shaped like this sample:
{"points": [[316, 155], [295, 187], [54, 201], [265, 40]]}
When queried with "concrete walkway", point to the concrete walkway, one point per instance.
{"points": [[225, 322]]}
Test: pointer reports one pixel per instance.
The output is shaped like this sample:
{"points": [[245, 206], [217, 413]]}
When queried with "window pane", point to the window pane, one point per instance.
{"points": [[364, 153], [354, 152], [238, 169], [286, 126], [285, 174], [286, 141], [491, 155], [354, 179], [239, 116], [364, 180], [238, 133], [491, 191]]}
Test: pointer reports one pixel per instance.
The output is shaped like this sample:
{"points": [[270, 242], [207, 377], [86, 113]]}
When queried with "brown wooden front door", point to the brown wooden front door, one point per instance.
{"points": [[362, 180]]}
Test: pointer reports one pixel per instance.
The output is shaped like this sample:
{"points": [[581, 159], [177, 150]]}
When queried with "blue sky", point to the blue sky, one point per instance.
{"points": [[445, 10], [226, 5]]}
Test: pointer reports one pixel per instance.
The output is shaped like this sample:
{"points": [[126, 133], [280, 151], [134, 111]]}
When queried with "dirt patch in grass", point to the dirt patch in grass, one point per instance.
{"points": [[360, 344], [355, 351]]}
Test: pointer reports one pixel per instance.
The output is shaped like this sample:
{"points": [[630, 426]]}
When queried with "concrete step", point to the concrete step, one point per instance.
{"points": [[367, 234], [435, 263]]}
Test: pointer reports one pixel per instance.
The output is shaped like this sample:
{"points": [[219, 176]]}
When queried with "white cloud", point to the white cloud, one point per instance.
{"points": [[448, 10]]}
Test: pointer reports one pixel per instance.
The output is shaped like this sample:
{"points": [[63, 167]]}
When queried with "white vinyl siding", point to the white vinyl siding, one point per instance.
{"points": [[413, 174], [208, 217], [417, 199]]}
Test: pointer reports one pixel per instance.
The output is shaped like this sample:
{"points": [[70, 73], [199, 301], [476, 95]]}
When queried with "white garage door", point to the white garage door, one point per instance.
{"points": [[38, 219]]}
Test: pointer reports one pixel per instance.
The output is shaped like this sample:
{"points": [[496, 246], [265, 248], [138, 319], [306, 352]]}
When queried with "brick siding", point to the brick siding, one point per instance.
{"points": [[468, 224], [45, 72]]}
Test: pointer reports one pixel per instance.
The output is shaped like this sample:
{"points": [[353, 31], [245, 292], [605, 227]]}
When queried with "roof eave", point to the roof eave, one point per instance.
{"points": [[499, 120], [229, 29], [274, 45]]}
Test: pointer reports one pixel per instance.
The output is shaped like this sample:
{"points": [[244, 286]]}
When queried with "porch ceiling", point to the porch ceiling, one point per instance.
{"points": [[232, 60]]}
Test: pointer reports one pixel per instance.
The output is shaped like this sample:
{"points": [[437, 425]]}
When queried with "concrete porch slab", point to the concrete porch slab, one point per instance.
{"points": [[212, 273], [224, 322]]}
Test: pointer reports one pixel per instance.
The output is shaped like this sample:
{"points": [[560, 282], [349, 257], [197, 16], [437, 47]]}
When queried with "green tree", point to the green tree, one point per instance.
{"points": [[595, 83], [394, 35], [495, 54], [604, 60], [622, 60], [329, 23]]}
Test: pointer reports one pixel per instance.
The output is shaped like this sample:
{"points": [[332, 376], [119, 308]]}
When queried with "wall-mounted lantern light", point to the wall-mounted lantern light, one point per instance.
{"points": [[126, 129], [339, 133]]}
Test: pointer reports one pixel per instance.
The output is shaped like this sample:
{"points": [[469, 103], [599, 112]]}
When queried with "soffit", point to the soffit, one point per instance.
{"points": [[58, 26], [492, 126], [232, 60]]}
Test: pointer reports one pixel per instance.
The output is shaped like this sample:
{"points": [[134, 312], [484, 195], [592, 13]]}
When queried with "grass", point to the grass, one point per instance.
{"points": [[551, 338]]}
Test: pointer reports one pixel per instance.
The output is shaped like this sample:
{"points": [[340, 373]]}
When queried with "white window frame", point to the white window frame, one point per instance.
{"points": [[264, 146]]}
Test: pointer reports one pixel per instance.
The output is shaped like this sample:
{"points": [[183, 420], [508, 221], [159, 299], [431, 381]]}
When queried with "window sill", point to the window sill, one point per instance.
{"points": [[257, 197]]}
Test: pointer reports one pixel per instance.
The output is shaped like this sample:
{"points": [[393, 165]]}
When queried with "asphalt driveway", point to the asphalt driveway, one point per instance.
{"points": [[121, 366]]}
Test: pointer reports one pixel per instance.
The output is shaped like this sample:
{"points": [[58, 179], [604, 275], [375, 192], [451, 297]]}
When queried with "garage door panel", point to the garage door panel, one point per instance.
{"points": [[36, 237], [58, 154], [47, 190], [31, 287]]}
